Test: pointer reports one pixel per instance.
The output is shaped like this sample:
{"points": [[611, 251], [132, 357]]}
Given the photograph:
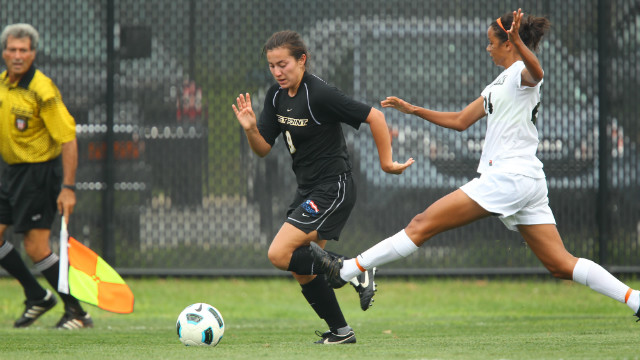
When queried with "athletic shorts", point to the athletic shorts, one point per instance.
{"points": [[29, 193], [325, 207], [516, 199]]}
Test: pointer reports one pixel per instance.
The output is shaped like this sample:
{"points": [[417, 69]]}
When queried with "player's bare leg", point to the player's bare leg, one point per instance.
{"points": [[545, 241]]}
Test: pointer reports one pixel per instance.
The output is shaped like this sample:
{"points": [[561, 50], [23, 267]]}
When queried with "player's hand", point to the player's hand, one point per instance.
{"points": [[66, 202], [244, 112], [397, 168], [513, 33], [398, 104]]}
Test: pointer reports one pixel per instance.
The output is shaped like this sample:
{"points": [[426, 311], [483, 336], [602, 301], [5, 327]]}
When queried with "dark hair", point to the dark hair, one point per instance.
{"points": [[531, 29], [290, 40]]}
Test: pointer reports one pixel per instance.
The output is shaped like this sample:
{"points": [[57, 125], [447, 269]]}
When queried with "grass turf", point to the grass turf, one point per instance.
{"points": [[411, 319]]}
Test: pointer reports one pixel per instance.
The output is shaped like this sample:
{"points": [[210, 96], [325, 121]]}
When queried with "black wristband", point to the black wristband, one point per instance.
{"points": [[70, 187]]}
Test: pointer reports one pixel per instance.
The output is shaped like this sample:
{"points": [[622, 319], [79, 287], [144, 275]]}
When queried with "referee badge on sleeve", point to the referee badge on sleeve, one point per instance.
{"points": [[21, 124]]}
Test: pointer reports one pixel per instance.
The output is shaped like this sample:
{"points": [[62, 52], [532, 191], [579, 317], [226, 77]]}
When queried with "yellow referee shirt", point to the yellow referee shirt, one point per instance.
{"points": [[34, 122]]}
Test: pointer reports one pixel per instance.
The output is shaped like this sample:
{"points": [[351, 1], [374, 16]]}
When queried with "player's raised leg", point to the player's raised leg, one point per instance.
{"points": [[545, 241], [434, 220]]}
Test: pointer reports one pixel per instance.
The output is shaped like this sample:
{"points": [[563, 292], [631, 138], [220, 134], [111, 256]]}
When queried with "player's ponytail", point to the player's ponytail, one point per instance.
{"points": [[532, 29]]}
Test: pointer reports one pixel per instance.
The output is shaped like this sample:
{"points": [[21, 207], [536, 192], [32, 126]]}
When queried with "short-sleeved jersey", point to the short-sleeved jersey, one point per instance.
{"points": [[511, 141], [34, 122], [310, 124]]}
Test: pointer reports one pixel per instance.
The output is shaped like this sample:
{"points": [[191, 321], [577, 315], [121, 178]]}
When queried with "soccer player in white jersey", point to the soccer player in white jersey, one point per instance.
{"points": [[511, 185]]}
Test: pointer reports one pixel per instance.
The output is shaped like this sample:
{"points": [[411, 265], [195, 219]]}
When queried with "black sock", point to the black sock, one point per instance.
{"points": [[11, 261], [302, 261], [50, 268], [323, 300], [338, 255]]}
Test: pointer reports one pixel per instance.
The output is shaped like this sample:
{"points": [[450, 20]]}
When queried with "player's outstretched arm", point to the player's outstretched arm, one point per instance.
{"points": [[459, 121], [247, 119], [380, 132], [399, 104]]}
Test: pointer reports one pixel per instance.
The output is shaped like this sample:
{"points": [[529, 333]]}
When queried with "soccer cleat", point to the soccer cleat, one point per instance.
{"points": [[329, 265], [329, 338], [34, 309], [366, 288], [72, 319]]}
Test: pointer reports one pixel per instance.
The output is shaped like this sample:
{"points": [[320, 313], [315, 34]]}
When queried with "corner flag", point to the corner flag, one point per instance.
{"points": [[87, 277]]}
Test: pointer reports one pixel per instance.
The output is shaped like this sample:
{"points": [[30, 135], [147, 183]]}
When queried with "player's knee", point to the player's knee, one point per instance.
{"points": [[420, 229], [278, 259]]}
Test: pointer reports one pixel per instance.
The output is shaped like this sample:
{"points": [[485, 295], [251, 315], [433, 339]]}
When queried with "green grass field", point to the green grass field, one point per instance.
{"points": [[411, 319]]}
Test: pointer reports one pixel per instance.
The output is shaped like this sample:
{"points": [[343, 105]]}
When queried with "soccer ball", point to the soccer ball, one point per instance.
{"points": [[200, 324]]}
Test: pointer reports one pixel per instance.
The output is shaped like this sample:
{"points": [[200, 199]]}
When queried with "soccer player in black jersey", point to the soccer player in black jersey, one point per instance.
{"points": [[308, 114]]}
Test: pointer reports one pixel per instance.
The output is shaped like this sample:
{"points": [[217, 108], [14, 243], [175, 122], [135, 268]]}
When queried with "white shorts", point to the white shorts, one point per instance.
{"points": [[517, 199]]}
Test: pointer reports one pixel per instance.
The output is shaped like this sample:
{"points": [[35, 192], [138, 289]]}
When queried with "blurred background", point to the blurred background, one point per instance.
{"points": [[167, 184]]}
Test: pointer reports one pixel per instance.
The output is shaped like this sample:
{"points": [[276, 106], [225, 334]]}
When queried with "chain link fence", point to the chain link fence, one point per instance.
{"points": [[168, 185]]}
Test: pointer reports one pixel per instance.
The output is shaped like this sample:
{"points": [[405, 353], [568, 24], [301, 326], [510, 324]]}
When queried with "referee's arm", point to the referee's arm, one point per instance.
{"points": [[67, 198]]}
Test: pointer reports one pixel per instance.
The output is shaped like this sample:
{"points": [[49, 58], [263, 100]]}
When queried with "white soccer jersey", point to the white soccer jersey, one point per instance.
{"points": [[512, 138]]}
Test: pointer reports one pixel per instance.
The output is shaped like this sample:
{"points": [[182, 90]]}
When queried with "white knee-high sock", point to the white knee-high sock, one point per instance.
{"points": [[393, 248], [588, 273]]}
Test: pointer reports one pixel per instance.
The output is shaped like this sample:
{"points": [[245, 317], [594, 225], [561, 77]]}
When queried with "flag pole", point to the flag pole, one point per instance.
{"points": [[63, 279]]}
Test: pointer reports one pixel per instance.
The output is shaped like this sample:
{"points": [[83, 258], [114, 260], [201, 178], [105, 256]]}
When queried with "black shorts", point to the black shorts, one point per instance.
{"points": [[28, 195], [325, 207]]}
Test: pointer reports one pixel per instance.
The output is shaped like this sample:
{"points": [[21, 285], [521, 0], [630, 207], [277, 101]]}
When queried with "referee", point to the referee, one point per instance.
{"points": [[38, 142]]}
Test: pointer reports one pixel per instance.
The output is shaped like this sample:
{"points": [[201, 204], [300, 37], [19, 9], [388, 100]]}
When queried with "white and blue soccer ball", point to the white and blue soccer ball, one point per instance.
{"points": [[200, 324]]}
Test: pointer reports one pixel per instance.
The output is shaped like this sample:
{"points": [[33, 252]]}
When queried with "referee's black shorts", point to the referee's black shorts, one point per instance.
{"points": [[28, 195], [325, 207]]}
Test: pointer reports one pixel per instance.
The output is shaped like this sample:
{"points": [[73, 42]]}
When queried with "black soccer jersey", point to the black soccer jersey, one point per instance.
{"points": [[310, 124]]}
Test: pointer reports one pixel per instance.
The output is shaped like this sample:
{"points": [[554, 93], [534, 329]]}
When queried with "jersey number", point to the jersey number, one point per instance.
{"points": [[488, 107], [534, 114], [292, 149]]}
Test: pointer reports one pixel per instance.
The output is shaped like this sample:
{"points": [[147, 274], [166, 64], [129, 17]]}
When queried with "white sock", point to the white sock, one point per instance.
{"points": [[633, 301], [393, 248], [597, 278], [5, 249]]}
